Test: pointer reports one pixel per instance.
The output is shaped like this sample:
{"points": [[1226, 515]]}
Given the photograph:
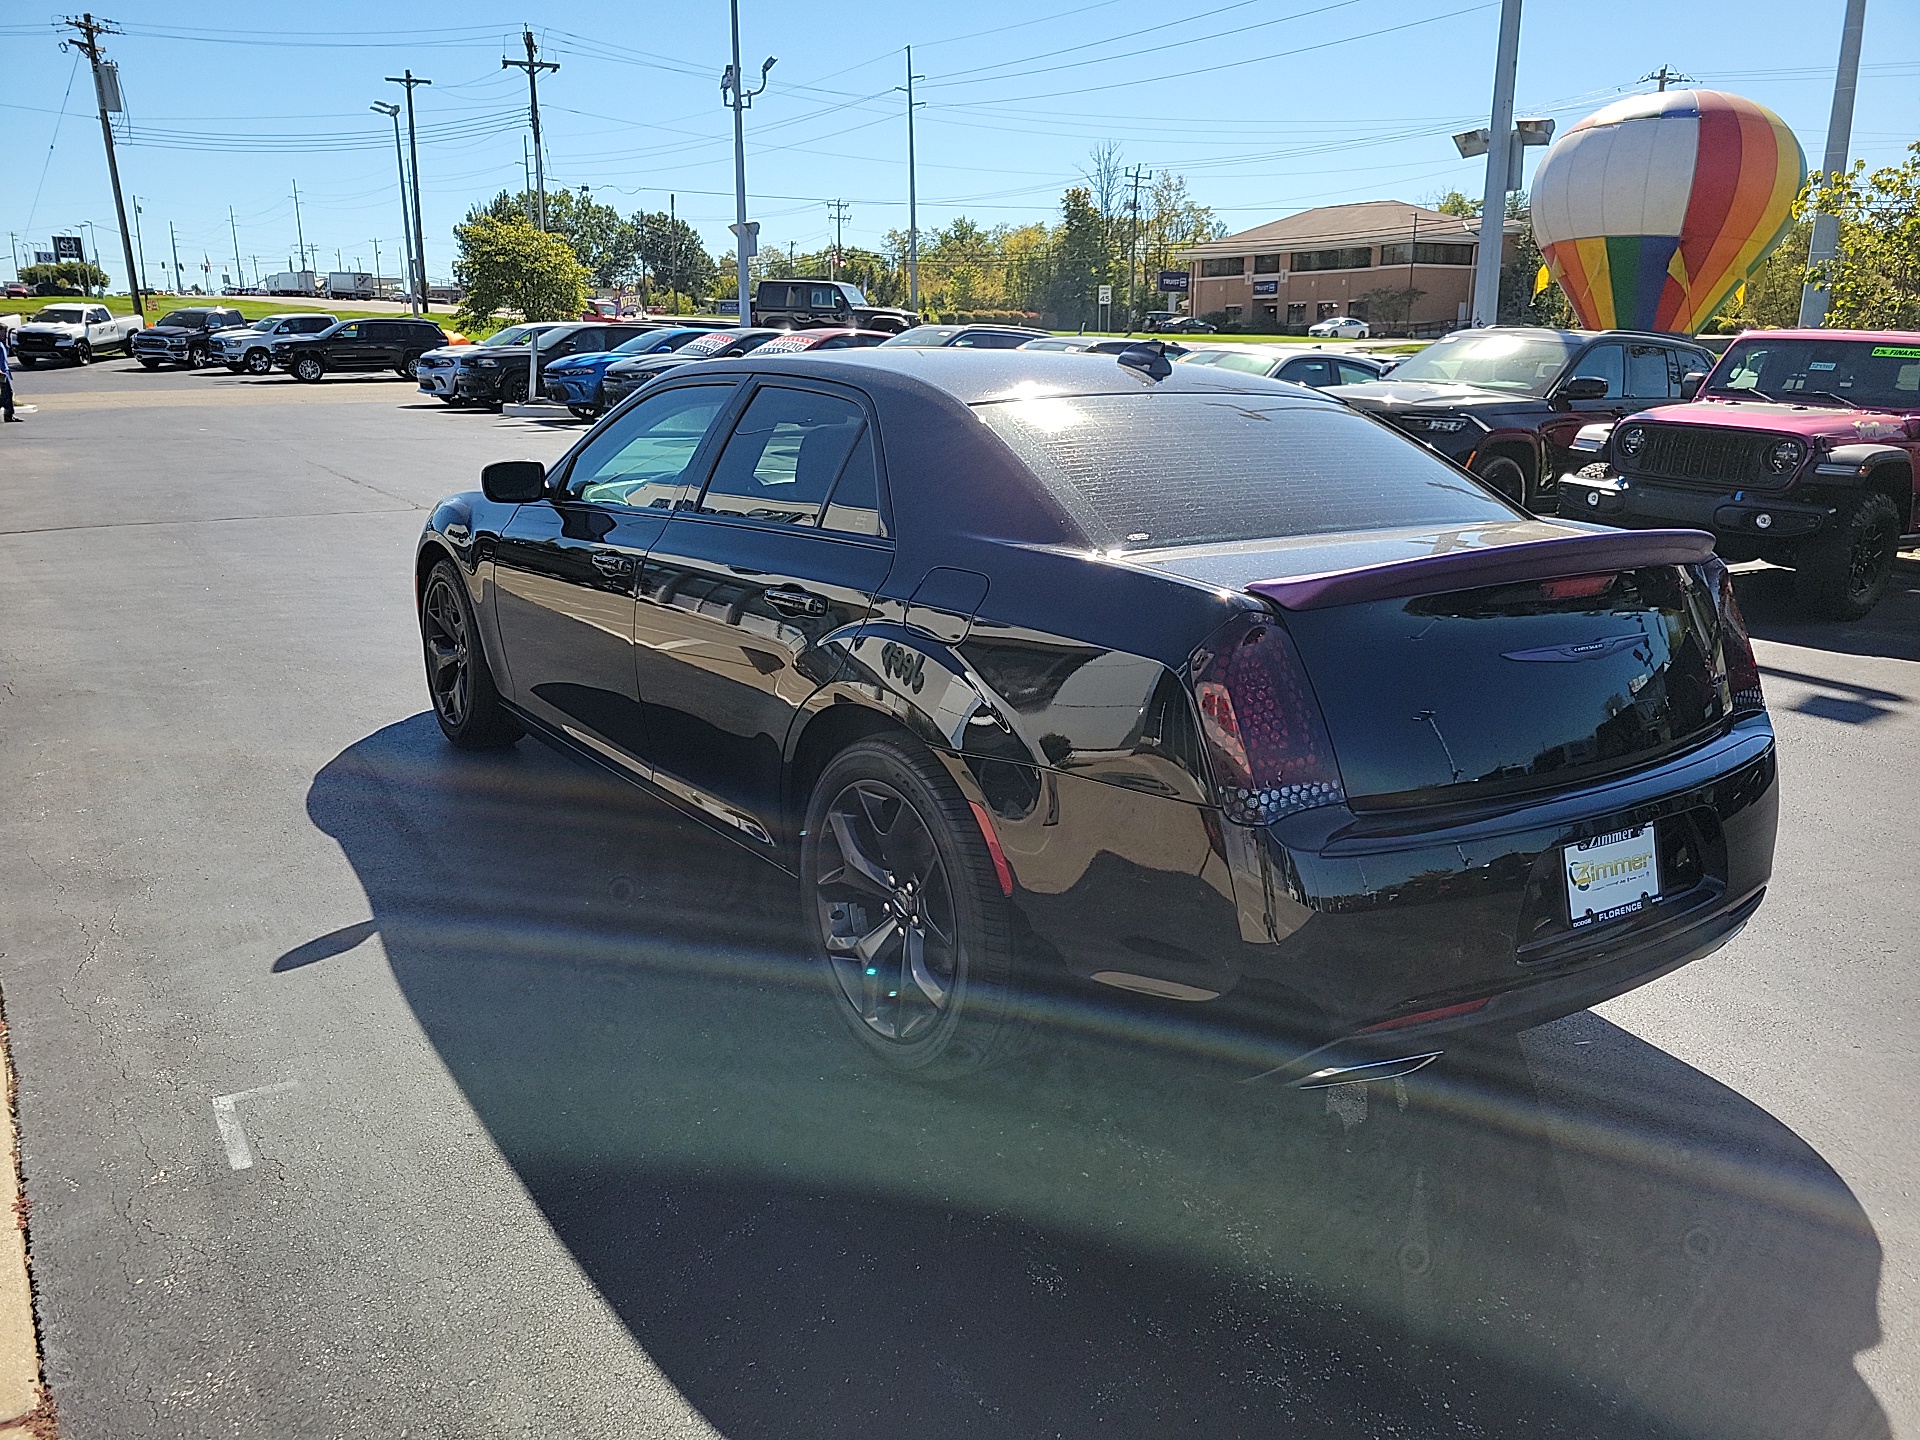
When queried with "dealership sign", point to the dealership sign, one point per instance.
{"points": [[67, 247], [1175, 282]]}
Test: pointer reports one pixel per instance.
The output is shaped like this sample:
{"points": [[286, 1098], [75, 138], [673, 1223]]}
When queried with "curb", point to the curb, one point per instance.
{"points": [[26, 1408]]}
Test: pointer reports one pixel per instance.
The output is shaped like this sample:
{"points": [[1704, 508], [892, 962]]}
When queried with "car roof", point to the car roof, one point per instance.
{"points": [[973, 377], [1892, 337]]}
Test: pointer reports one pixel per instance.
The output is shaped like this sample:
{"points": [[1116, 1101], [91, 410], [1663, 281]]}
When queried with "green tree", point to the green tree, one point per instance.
{"points": [[76, 274], [608, 246], [508, 266], [1873, 281], [1519, 303], [671, 252], [1080, 259], [1454, 203]]}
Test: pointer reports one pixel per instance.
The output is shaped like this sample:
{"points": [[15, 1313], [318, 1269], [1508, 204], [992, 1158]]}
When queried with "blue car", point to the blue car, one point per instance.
{"points": [[574, 380]]}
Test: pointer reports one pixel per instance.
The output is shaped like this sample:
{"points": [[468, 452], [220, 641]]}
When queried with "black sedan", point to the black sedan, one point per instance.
{"points": [[626, 376], [1054, 677]]}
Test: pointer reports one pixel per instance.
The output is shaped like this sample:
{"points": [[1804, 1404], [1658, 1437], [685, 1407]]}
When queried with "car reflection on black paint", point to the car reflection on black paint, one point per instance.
{"points": [[1056, 676]]}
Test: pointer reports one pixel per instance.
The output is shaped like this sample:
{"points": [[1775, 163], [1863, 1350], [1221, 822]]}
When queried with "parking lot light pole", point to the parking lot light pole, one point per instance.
{"points": [[733, 87], [913, 196], [1826, 228], [1493, 208], [392, 112]]}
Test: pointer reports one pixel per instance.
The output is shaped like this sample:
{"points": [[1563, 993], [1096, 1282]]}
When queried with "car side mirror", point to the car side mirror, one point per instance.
{"points": [[1584, 387], [514, 482], [1691, 382]]}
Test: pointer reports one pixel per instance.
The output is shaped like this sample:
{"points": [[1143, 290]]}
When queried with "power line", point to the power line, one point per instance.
{"points": [[533, 67]]}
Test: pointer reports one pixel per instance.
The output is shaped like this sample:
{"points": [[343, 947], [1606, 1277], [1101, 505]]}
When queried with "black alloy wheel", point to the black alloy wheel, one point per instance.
{"points": [[410, 368], [465, 701], [258, 362], [1843, 572], [513, 389], [82, 353], [907, 913], [308, 368], [1504, 475], [196, 356]]}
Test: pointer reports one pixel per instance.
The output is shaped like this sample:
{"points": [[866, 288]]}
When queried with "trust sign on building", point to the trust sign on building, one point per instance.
{"points": [[1357, 260]]}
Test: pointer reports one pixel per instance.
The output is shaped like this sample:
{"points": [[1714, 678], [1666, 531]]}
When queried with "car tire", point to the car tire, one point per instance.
{"points": [[308, 368], [513, 390], [1844, 572], [127, 347], [196, 356], [410, 368], [146, 364], [82, 353], [258, 362], [908, 920], [465, 700], [1503, 473]]}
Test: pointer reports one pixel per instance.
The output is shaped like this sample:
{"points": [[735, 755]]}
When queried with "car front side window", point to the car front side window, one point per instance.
{"points": [[640, 459], [1603, 362]]}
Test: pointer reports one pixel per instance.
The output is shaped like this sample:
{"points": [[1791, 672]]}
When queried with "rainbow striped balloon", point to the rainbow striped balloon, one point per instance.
{"points": [[1651, 212]]}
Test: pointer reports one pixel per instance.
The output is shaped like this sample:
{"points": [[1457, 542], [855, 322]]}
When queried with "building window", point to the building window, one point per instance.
{"points": [[1353, 257], [1215, 269], [1329, 309], [1233, 314], [1266, 264], [1358, 309], [1270, 314], [1296, 312], [1425, 254]]}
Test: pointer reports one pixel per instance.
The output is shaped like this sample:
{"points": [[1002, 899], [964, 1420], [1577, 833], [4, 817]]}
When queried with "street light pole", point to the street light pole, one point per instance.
{"points": [[392, 112], [1493, 208], [410, 80], [913, 198], [733, 86], [1826, 228]]}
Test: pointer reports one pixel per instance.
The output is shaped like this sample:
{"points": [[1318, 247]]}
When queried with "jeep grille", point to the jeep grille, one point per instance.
{"points": [[1704, 457]]}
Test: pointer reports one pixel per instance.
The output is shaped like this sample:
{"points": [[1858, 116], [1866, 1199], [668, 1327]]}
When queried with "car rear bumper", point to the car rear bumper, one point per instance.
{"points": [[1295, 944], [1629, 503]]}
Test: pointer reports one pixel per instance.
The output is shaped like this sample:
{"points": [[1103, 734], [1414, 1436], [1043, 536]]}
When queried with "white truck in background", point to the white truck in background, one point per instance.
{"points": [[352, 285], [304, 283], [75, 333]]}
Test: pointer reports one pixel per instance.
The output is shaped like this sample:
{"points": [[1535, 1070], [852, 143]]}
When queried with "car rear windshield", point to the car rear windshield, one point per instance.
{"points": [[1520, 363], [1865, 372], [924, 335], [1171, 468]]}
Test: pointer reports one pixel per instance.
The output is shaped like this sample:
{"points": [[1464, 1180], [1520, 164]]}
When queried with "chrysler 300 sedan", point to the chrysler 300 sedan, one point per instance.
{"points": [[1053, 677]]}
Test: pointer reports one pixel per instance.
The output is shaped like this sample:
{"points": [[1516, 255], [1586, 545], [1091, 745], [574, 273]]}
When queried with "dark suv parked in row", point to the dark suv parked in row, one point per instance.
{"points": [[1506, 403], [496, 373], [358, 345], [829, 304], [183, 337]]}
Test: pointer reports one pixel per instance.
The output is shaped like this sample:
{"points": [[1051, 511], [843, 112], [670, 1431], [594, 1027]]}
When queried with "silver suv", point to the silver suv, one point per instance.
{"points": [[250, 347]]}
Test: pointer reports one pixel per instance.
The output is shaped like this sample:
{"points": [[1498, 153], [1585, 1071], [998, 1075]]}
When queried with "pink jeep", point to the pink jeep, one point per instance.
{"points": [[1801, 448]]}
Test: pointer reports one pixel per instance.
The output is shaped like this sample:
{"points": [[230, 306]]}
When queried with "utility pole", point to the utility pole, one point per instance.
{"points": [[1826, 228], [140, 244], [376, 266], [746, 238], [173, 241], [839, 211], [409, 80], [1500, 138], [526, 179], [299, 232], [913, 195], [1136, 175], [239, 270], [673, 229], [392, 112], [533, 68], [106, 88], [1666, 75]]}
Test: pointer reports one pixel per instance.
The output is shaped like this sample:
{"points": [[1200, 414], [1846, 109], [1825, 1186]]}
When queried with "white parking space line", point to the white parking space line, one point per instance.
{"points": [[227, 1121]]}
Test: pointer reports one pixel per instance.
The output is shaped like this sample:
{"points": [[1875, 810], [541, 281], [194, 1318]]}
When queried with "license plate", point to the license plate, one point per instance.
{"points": [[1611, 876]]}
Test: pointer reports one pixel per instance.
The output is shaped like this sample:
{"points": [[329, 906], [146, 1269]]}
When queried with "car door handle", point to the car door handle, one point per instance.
{"points": [[790, 600], [609, 563]]}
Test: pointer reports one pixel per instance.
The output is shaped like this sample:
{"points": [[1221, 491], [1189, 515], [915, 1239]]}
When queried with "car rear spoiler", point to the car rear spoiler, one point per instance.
{"points": [[1581, 554]]}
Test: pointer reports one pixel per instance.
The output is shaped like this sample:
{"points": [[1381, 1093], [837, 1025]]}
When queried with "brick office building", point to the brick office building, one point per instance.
{"points": [[1288, 274]]}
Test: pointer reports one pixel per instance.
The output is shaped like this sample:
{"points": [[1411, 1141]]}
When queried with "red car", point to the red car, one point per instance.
{"points": [[1800, 448], [823, 340]]}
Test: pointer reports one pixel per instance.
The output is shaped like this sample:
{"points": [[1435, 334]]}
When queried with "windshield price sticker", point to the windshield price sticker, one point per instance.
{"points": [[1896, 352], [1611, 876]]}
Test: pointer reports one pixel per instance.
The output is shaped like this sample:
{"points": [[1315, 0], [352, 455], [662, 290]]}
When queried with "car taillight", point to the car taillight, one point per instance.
{"points": [[1264, 732], [1736, 646]]}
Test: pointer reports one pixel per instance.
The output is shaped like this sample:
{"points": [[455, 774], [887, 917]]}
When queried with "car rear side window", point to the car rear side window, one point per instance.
{"points": [[784, 457], [1166, 469]]}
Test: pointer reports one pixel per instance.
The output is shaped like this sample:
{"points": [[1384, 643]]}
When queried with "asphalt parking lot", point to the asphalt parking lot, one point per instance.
{"points": [[371, 1088]]}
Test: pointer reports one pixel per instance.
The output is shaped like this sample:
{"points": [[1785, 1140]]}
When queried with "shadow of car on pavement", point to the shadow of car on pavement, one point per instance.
{"points": [[1575, 1235], [1891, 628]]}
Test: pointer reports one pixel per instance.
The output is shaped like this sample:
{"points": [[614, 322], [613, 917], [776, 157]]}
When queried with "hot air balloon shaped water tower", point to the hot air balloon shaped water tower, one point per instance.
{"points": [[1651, 212]]}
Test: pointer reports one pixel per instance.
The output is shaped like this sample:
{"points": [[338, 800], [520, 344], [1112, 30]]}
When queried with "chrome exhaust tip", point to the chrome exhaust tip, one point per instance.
{"points": [[1360, 1074]]}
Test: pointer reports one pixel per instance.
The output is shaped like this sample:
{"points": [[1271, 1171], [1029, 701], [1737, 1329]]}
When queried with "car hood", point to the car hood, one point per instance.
{"points": [[165, 330], [1384, 397], [1810, 422], [595, 357], [649, 364], [49, 327]]}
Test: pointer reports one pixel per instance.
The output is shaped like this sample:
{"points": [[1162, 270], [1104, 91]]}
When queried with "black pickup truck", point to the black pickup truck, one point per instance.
{"points": [[184, 337], [834, 304]]}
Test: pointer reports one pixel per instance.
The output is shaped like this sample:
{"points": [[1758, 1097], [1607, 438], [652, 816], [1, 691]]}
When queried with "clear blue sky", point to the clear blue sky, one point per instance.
{"points": [[1266, 106]]}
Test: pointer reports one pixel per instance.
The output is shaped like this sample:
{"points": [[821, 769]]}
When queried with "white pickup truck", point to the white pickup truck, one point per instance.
{"points": [[75, 333]]}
